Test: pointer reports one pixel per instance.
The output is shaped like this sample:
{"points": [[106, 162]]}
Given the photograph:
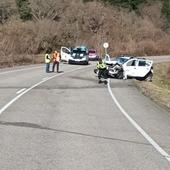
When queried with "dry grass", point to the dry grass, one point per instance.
{"points": [[9, 3], [159, 88], [12, 61]]}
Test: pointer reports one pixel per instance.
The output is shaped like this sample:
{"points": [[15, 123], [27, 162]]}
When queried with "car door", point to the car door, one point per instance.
{"points": [[130, 67], [143, 68], [65, 54], [107, 59]]}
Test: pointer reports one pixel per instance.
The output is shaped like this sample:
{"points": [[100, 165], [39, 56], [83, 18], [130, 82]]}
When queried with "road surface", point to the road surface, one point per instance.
{"points": [[68, 121]]}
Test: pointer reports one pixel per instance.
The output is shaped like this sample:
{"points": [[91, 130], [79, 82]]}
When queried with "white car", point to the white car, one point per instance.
{"points": [[79, 55], [139, 68]]}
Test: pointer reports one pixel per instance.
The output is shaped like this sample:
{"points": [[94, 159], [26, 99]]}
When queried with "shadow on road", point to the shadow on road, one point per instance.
{"points": [[36, 126]]}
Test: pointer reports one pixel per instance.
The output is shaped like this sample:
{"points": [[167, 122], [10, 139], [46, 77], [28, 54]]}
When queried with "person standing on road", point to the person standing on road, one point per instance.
{"points": [[56, 60], [101, 66], [47, 60]]}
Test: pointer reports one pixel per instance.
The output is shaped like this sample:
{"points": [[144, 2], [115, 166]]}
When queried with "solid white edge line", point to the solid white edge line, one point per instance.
{"points": [[145, 135], [45, 78], [20, 91], [35, 85]]}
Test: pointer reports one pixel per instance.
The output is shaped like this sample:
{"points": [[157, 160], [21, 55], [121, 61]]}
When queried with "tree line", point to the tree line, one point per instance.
{"points": [[134, 4], [26, 12]]}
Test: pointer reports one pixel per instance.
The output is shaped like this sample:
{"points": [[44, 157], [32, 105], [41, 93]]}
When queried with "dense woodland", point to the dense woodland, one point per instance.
{"points": [[139, 27]]}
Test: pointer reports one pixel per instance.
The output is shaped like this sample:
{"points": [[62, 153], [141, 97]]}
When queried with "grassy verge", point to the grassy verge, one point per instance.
{"points": [[18, 60], [159, 89]]}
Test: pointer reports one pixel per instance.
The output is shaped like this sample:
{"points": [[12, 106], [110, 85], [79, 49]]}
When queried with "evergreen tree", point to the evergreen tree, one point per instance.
{"points": [[131, 4], [24, 9], [166, 9]]}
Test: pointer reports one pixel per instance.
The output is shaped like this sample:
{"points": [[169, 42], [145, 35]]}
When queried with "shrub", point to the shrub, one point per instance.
{"points": [[166, 9], [24, 9], [131, 4]]}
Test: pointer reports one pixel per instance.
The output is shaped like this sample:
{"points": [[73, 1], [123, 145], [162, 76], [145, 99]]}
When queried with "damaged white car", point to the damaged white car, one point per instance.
{"points": [[138, 68], [121, 59]]}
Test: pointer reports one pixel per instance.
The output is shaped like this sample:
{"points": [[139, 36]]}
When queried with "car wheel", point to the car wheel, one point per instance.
{"points": [[105, 82], [96, 71], [149, 76], [69, 62]]}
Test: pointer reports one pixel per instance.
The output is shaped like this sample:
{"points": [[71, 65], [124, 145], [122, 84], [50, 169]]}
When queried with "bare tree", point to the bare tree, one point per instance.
{"points": [[43, 9]]}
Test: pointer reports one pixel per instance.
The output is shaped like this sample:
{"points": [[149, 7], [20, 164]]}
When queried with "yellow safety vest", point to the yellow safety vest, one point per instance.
{"points": [[47, 58], [56, 56], [101, 66]]}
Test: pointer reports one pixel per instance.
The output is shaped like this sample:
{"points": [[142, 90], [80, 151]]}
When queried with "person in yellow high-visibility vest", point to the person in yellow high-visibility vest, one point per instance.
{"points": [[101, 66], [47, 61]]}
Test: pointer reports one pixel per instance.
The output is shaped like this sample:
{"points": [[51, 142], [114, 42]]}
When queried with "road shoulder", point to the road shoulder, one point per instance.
{"points": [[159, 89]]}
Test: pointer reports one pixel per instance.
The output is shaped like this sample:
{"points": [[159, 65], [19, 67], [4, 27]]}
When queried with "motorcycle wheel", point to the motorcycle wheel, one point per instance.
{"points": [[120, 74], [105, 82]]}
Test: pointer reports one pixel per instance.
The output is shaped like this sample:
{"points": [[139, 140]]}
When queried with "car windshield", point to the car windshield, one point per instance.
{"points": [[78, 53], [121, 60], [92, 52]]}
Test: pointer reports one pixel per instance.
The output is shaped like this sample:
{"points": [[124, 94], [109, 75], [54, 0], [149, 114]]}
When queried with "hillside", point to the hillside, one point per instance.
{"points": [[69, 23], [8, 9]]}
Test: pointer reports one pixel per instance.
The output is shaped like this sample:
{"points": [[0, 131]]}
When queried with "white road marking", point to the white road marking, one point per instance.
{"points": [[35, 85], [18, 92], [145, 135], [18, 70], [45, 78]]}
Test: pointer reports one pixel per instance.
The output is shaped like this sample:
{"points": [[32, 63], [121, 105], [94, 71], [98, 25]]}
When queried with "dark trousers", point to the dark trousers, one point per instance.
{"points": [[102, 73], [56, 63]]}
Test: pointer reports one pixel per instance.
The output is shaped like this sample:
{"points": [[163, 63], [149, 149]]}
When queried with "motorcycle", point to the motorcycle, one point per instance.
{"points": [[113, 71], [103, 75]]}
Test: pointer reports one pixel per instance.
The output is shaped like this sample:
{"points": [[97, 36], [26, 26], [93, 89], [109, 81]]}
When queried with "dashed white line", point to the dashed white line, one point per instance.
{"points": [[145, 135], [18, 92], [35, 85]]}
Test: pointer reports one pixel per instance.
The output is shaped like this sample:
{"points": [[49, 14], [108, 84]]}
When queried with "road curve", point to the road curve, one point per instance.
{"points": [[68, 121]]}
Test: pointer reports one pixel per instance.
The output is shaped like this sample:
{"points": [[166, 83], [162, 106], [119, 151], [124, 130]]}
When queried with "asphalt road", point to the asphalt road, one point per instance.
{"points": [[67, 121]]}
